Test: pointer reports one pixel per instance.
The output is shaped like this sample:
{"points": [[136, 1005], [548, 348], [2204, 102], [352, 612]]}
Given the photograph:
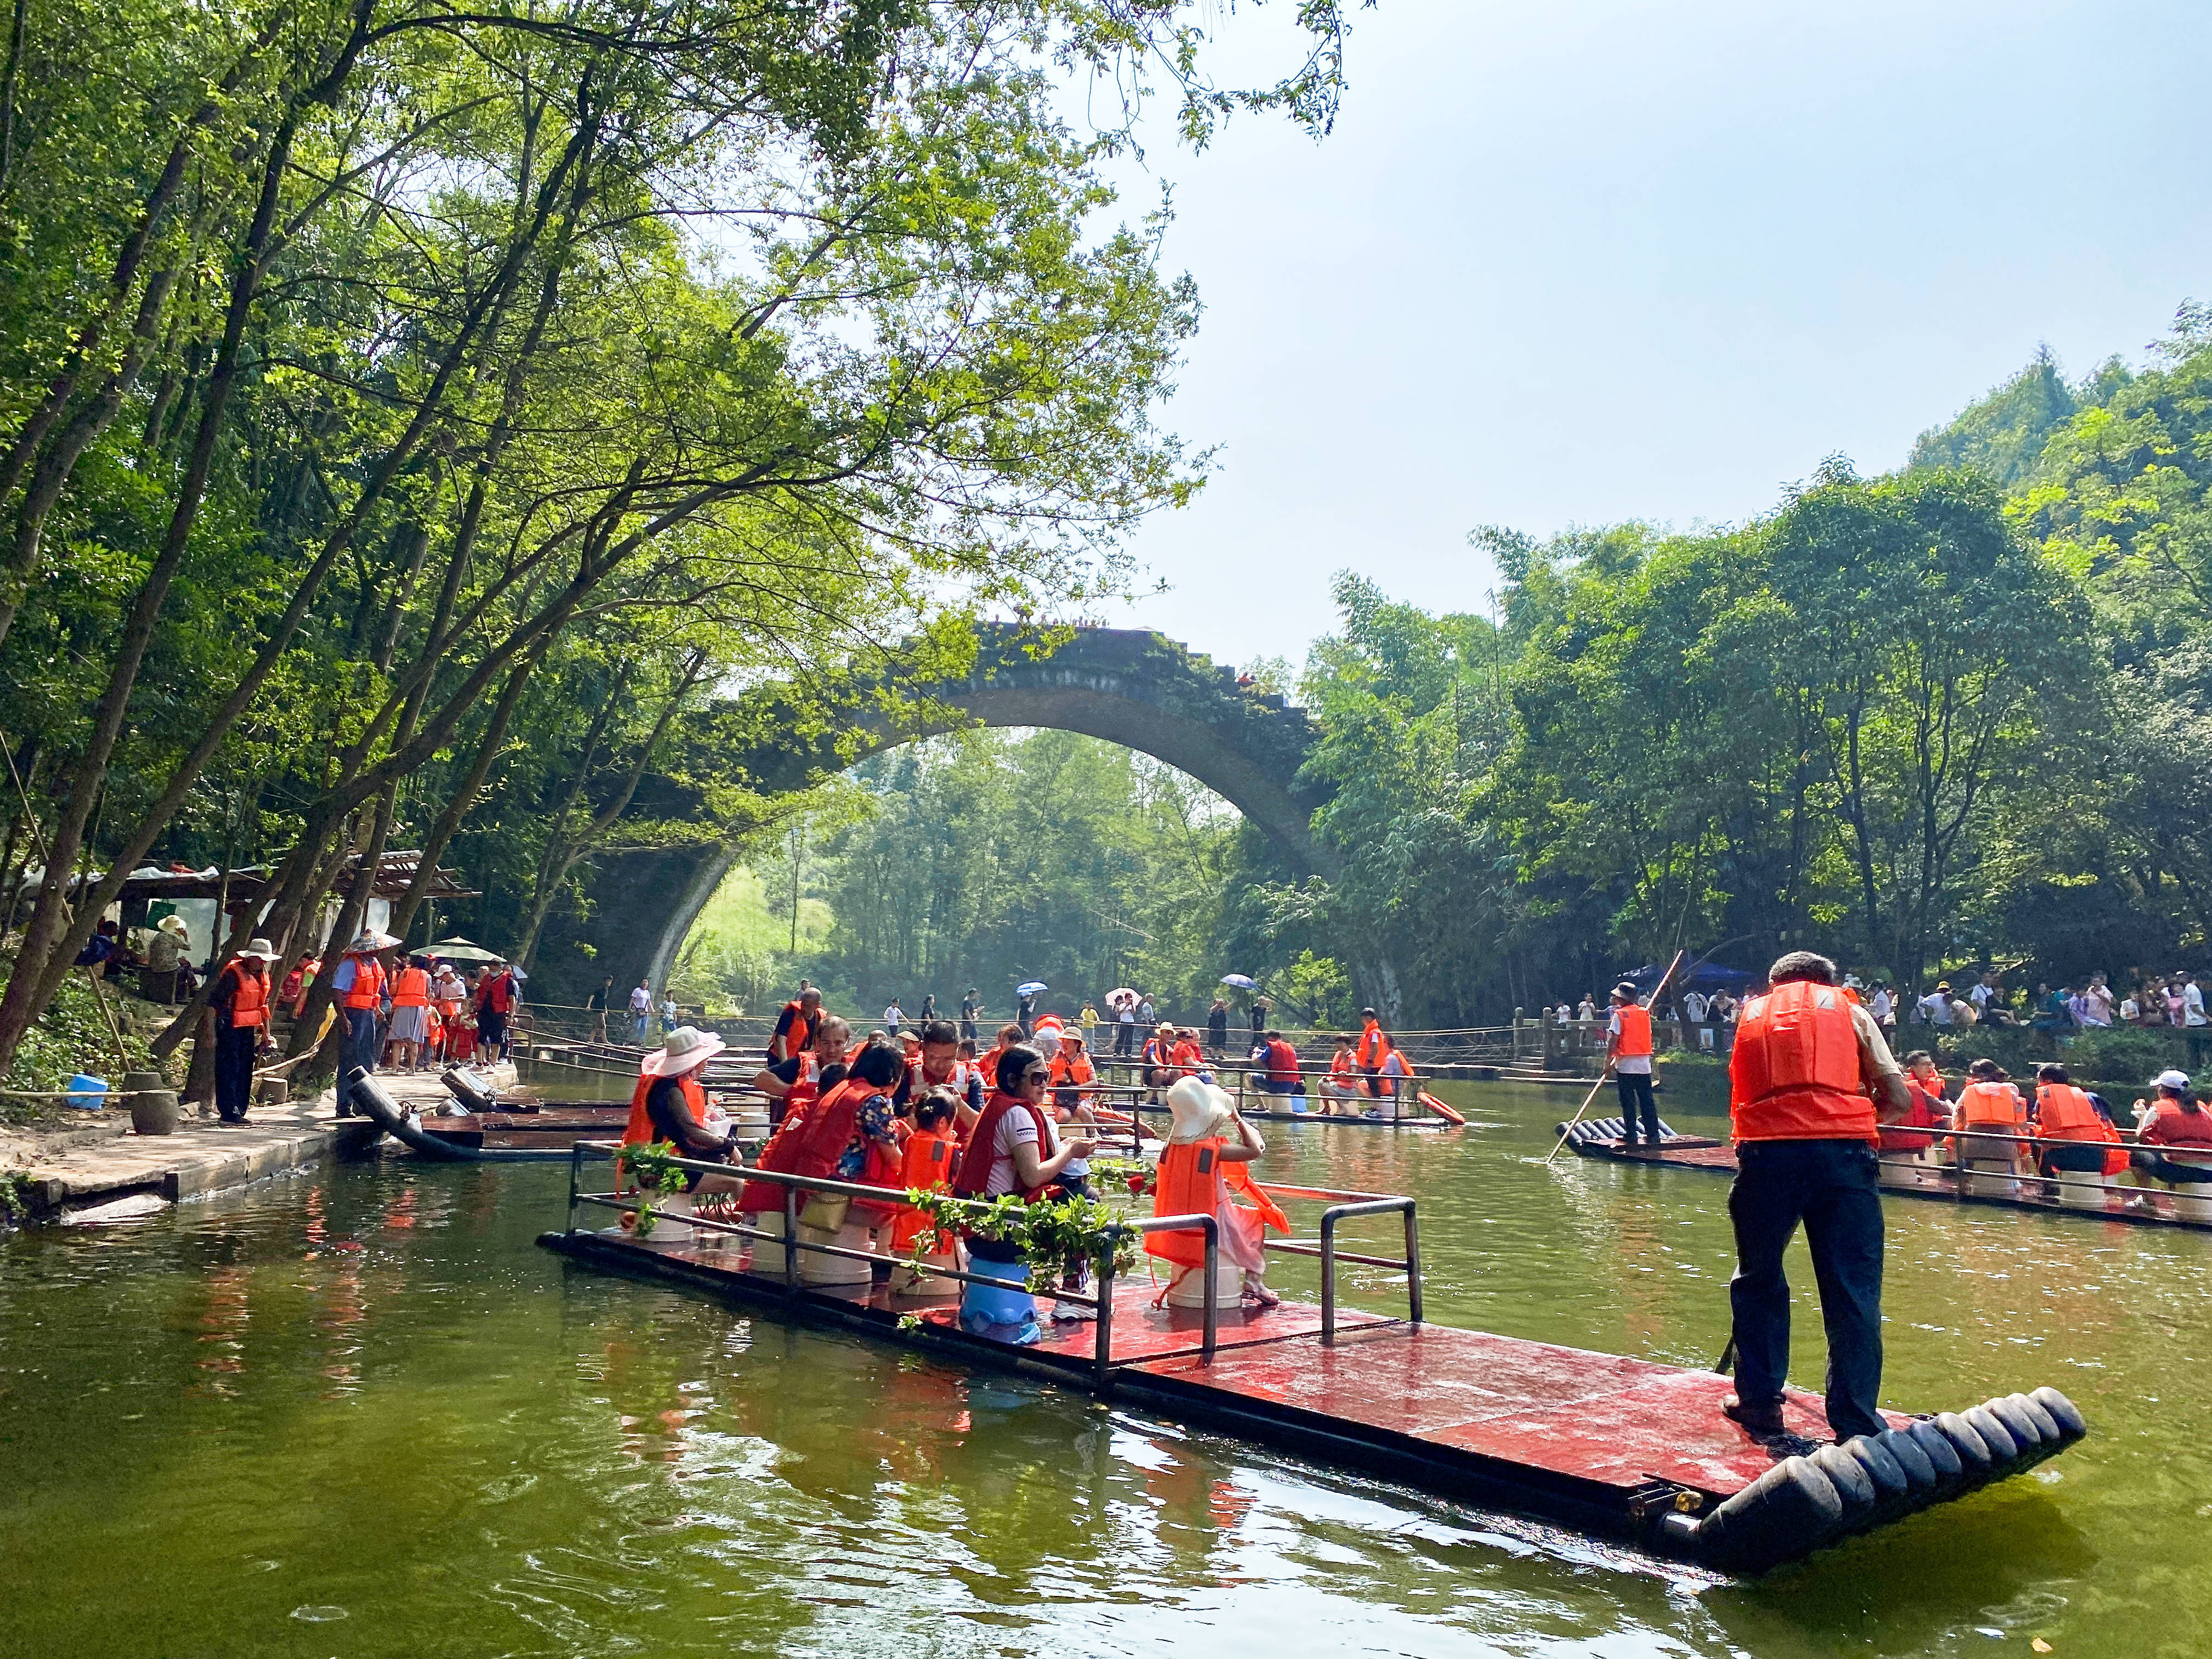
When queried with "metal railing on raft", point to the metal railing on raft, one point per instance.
{"points": [[1100, 1302], [1342, 1207]]}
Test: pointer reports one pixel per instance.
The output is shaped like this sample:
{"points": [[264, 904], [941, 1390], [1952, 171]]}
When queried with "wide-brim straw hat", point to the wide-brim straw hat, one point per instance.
{"points": [[687, 1047], [260, 948], [173, 923]]}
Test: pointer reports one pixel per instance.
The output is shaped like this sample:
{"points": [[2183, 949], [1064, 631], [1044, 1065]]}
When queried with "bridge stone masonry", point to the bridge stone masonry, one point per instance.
{"points": [[1132, 687]]}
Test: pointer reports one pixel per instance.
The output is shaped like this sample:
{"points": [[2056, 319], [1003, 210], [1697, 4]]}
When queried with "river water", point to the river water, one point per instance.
{"points": [[357, 1412]]}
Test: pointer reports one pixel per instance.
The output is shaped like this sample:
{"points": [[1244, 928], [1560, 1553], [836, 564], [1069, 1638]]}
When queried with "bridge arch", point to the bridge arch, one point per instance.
{"points": [[1134, 688]]}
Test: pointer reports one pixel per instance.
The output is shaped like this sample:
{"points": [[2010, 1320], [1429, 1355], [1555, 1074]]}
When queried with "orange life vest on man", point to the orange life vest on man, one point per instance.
{"points": [[368, 989], [1372, 1045], [1187, 1056], [1282, 1061], [799, 1037], [2064, 1112], [249, 998], [411, 989], [925, 1166], [1996, 1105], [1927, 1112], [1795, 1074], [1635, 1039]]}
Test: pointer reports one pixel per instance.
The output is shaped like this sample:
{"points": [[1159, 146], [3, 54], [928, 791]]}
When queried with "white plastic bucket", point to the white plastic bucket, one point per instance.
{"points": [[671, 1223], [816, 1268], [1188, 1290], [906, 1282], [767, 1256], [1991, 1178], [2192, 1201], [2080, 1189]]}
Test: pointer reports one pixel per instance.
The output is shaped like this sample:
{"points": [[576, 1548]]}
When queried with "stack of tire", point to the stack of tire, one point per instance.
{"points": [[1600, 1128], [1804, 1503]]}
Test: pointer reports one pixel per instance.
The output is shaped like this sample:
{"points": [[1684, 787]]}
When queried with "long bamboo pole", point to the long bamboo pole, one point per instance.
{"points": [[1649, 1002]]}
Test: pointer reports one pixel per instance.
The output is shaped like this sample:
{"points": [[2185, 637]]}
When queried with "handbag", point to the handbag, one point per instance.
{"points": [[825, 1211]]}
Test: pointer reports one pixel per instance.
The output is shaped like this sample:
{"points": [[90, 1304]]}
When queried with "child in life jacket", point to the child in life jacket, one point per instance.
{"points": [[1202, 1172]]}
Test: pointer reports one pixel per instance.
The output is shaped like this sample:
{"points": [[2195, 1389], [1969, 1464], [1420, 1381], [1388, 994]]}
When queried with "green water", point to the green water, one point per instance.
{"points": [[358, 1413]]}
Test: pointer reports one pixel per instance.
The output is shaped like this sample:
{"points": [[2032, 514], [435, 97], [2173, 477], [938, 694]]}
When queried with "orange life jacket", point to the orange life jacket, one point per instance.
{"points": [[1187, 1056], [411, 989], [925, 1166], [973, 1173], [249, 999], [1193, 1179], [2063, 1112], [639, 1131], [1371, 1046], [367, 990], [1998, 1104], [1636, 1032], [1282, 1062], [1926, 1113], [1073, 1072], [1794, 1072], [800, 1036], [1341, 1065]]}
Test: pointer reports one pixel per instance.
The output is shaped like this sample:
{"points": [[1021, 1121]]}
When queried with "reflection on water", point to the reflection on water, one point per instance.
{"points": [[359, 1413]]}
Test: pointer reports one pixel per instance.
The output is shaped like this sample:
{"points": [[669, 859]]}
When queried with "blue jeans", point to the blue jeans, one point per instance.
{"points": [[1830, 1186], [361, 1047], [644, 1028]]}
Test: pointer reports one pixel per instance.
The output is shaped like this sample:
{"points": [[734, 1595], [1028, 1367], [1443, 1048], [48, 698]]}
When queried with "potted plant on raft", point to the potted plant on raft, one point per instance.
{"points": [[1044, 1234], [660, 1187]]}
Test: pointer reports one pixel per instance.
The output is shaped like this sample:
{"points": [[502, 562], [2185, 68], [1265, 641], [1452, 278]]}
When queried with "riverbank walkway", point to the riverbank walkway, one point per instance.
{"points": [[112, 1171]]}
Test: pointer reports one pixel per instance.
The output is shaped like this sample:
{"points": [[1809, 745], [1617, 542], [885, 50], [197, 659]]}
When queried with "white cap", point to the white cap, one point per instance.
{"points": [[2170, 1079]]}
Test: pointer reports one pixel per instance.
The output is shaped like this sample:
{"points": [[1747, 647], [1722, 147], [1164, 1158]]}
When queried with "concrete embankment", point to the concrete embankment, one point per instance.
{"points": [[106, 1170]]}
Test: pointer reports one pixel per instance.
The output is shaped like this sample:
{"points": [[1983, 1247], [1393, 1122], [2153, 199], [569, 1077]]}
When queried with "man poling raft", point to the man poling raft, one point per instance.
{"points": [[1202, 1172], [1806, 1064]]}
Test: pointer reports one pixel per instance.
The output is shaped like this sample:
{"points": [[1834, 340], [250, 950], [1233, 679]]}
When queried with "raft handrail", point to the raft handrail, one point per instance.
{"points": [[1101, 1303]]}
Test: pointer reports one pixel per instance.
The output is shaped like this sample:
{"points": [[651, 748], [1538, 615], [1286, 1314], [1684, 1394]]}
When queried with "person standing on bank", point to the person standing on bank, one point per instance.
{"points": [[359, 982], [596, 1005], [1809, 1068], [240, 999], [1628, 1048]]}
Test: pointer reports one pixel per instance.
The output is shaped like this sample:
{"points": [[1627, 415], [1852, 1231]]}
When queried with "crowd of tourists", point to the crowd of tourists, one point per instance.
{"points": [[918, 1108], [400, 1012]]}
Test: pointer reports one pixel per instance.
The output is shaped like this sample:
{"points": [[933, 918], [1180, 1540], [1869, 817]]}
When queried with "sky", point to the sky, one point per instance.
{"points": [[1590, 260]]}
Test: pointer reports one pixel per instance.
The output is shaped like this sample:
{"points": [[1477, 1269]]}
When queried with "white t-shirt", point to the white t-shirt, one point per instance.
{"points": [[1016, 1128], [2192, 999], [1694, 1005], [1980, 995], [1632, 1065], [640, 1001], [894, 1016], [1586, 1014], [1879, 1005], [1936, 1008]]}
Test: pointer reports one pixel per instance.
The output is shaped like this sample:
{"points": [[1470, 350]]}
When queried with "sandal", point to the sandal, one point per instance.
{"points": [[1260, 1295]]}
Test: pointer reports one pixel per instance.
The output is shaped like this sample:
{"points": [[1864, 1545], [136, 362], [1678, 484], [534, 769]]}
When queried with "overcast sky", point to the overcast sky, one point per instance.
{"points": [[1590, 260]]}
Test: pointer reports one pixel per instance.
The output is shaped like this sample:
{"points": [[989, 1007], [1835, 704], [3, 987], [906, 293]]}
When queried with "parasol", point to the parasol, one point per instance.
{"points": [[1033, 988], [460, 949], [1242, 981]]}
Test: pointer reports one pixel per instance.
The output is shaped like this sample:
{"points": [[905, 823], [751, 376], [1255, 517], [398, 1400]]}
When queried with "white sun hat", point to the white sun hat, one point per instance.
{"points": [[687, 1047]]}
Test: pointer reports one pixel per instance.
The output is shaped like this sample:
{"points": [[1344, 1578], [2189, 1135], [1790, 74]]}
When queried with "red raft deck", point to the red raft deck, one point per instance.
{"points": [[1615, 1447], [1904, 1177]]}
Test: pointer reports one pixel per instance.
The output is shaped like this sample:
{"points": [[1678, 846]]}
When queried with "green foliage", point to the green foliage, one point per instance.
{"points": [[1047, 1233], [72, 1036]]}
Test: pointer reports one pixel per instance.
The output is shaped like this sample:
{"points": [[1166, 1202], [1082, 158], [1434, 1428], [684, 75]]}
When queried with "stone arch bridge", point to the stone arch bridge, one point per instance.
{"points": [[1134, 688]]}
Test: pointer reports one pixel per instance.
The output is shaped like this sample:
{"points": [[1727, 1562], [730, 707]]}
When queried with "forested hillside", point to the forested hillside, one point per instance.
{"points": [[1952, 715]]}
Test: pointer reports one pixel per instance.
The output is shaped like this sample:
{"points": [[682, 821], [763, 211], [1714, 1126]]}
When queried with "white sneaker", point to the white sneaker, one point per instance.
{"points": [[1069, 1313]]}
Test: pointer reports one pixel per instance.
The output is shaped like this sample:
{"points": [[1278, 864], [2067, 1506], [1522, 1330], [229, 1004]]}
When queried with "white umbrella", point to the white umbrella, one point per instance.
{"points": [[1242, 981], [1033, 988], [1120, 997], [460, 949]]}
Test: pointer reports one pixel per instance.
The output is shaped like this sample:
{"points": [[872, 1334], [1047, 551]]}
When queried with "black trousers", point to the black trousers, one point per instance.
{"points": [[1635, 1090], [234, 1070], [1125, 1038], [1830, 1187]]}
